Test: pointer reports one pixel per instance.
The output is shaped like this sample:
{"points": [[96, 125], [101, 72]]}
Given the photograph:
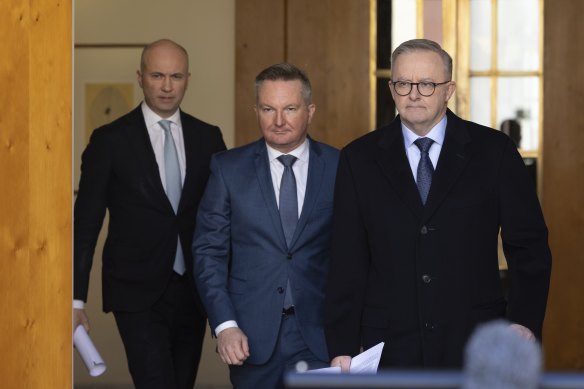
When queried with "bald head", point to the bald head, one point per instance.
{"points": [[164, 46]]}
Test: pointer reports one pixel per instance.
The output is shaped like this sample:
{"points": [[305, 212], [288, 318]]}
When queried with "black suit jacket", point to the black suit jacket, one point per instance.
{"points": [[119, 173], [420, 277]]}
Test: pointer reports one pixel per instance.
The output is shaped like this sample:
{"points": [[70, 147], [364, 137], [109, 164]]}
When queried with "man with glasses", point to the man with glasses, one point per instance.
{"points": [[418, 209]]}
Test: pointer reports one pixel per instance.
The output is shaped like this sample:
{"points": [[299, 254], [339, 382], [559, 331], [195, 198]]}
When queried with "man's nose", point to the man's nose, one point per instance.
{"points": [[280, 118], [166, 84]]}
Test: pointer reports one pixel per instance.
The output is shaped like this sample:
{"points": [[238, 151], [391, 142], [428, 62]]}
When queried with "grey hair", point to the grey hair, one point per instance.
{"points": [[285, 72], [424, 45]]}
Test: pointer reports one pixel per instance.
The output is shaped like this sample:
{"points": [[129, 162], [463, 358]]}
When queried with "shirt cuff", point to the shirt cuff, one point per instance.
{"points": [[225, 325], [78, 304]]}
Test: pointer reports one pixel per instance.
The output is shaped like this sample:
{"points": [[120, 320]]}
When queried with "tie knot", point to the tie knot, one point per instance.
{"points": [[165, 124], [424, 144], [287, 159]]}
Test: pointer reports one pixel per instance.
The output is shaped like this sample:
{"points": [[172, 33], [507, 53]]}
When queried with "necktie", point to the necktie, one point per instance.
{"points": [[288, 210], [425, 168], [173, 185]]}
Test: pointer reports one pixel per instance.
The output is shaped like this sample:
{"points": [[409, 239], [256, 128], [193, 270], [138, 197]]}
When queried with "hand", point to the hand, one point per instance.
{"points": [[523, 331], [343, 361], [232, 346], [80, 318]]}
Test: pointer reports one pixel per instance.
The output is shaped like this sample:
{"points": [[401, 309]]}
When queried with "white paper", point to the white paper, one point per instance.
{"points": [[367, 362], [88, 352]]}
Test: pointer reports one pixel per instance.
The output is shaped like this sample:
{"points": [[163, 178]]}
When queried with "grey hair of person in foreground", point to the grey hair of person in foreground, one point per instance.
{"points": [[497, 356]]}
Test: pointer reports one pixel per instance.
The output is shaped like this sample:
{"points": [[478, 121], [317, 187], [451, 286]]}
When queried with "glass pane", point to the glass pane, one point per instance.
{"points": [[518, 109], [480, 35], [480, 100], [403, 21], [518, 35]]}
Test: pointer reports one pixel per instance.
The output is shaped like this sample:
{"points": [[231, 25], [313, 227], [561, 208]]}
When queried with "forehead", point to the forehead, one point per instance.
{"points": [[419, 64], [271, 92]]}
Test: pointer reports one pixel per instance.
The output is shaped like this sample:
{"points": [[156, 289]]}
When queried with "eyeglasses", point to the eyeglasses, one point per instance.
{"points": [[426, 88]]}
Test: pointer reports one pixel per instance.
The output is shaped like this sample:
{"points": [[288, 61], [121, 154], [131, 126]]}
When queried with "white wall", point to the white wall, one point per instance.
{"points": [[207, 30]]}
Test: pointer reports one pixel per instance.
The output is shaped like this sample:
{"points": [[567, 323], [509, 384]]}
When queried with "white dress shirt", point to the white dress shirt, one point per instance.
{"points": [[413, 152]]}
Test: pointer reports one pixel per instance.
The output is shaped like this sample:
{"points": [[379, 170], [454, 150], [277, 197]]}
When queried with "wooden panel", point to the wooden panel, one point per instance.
{"points": [[330, 40], [259, 42], [35, 201], [563, 180]]}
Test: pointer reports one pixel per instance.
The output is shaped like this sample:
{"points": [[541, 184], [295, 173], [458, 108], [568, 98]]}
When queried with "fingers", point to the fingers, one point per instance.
{"points": [[80, 318], [232, 346], [343, 361]]}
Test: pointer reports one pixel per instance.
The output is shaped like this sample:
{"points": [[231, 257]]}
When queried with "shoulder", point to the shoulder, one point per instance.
{"points": [[240, 154], [324, 149], [370, 141], [190, 122], [120, 127]]}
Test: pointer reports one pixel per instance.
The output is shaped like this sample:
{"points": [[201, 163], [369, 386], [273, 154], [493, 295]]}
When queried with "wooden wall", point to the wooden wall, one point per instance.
{"points": [[35, 200], [330, 40], [563, 180]]}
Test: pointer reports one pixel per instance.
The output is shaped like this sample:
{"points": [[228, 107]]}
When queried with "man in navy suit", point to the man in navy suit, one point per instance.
{"points": [[147, 264], [418, 209], [262, 282]]}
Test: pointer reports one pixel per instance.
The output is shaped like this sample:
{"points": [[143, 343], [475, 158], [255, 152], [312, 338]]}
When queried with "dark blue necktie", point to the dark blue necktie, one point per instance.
{"points": [[288, 198], [425, 168], [173, 185], [288, 210]]}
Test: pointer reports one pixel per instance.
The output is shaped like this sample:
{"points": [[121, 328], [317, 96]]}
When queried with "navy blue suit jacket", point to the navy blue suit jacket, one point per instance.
{"points": [[242, 262]]}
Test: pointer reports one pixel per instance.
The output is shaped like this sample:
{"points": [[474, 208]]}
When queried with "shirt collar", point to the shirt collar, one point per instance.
{"points": [[300, 152], [151, 118], [437, 133]]}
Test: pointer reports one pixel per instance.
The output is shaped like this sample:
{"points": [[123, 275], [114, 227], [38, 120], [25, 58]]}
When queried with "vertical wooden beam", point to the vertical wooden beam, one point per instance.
{"points": [[331, 40], [259, 42], [563, 181], [35, 201]]}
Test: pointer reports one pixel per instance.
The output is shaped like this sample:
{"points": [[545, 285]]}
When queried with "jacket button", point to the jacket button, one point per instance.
{"points": [[429, 326], [289, 256], [426, 278], [424, 230], [280, 290]]}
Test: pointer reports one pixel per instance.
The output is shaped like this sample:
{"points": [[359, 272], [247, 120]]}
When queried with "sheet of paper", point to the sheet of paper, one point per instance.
{"points": [[367, 361], [88, 352]]}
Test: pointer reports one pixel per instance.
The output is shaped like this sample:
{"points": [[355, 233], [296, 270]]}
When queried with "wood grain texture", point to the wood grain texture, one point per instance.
{"points": [[563, 181], [330, 40], [35, 201]]}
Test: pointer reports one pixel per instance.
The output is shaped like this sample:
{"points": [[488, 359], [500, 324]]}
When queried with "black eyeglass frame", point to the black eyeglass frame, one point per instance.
{"points": [[411, 84]]}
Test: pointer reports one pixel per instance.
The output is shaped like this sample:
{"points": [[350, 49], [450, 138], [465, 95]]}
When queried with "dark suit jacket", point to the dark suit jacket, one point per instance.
{"points": [[119, 172], [421, 278], [242, 262]]}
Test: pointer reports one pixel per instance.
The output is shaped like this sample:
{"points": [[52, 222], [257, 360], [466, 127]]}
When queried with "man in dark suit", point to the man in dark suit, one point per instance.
{"points": [[261, 246], [136, 167], [418, 209]]}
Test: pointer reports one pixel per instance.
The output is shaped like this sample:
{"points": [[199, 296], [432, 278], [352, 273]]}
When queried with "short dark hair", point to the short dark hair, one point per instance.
{"points": [[424, 45], [285, 72]]}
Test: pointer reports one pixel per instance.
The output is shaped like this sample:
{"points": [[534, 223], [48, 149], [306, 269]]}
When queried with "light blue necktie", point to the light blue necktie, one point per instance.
{"points": [[288, 210], [425, 168], [173, 185]]}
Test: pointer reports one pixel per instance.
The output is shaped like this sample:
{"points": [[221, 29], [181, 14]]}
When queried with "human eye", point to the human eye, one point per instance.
{"points": [[402, 84], [177, 76], [426, 84], [156, 76], [292, 109], [266, 109]]}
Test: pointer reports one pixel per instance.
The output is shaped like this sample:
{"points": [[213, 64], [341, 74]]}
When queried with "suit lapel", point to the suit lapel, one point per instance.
{"points": [[391, 158], [262, 167], [316, 168], [454, 157], [192, 145], [140, 147]]}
